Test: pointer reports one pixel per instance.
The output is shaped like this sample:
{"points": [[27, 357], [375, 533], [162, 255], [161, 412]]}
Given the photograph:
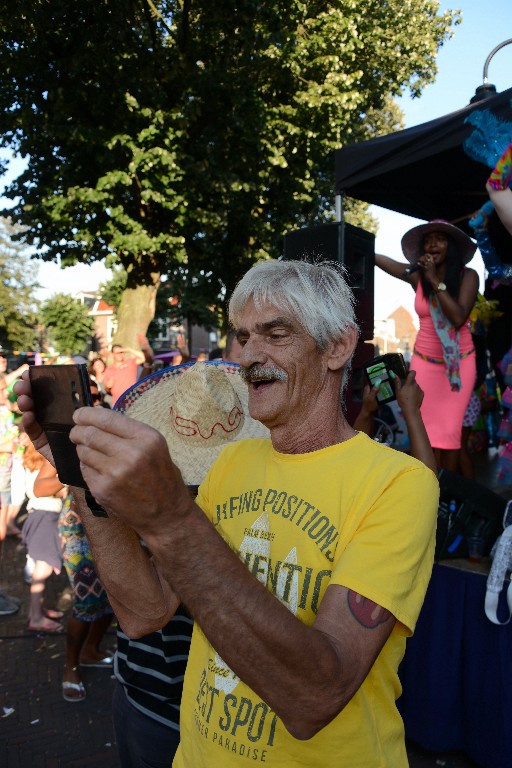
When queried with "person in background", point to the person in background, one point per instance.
{"points": [[409, 397], [91, 612], [466, 465], [215, 354], [97, 368], [444, 353], [8, 434], [146, 700], [17, 471], [498, 188], [232, 350], [124, 371], [41, 538], [12, 375], [17, 483], [183, 350], [149, 357]]}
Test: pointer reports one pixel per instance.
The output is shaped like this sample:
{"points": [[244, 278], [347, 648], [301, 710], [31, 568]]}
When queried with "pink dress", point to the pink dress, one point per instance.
{"points": [[442, 410]]}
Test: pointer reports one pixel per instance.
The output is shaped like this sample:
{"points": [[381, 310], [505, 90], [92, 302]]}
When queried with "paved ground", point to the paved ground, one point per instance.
{"points": [[38, 729]]}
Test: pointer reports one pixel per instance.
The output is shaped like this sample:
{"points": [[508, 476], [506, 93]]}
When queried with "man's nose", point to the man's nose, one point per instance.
{"points": [[252, 352]]}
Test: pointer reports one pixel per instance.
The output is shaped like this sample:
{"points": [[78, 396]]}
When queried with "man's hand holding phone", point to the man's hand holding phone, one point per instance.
{"points": [[48, 397], [23, 389]]}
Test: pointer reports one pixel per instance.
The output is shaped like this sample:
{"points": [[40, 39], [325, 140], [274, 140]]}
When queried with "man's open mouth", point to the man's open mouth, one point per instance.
{"points": [[262, 382], [263, 376]]}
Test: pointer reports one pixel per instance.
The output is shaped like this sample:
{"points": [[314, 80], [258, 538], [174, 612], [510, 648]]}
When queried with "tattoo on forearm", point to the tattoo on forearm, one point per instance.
{"points": [[366, 612]]}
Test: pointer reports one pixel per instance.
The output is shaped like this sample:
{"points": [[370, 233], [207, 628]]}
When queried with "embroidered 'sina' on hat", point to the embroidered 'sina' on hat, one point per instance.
{"points": [[199, 408]]}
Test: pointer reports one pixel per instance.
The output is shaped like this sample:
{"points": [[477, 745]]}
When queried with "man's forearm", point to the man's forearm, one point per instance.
{"points": [[248, 626], [140, 601]]}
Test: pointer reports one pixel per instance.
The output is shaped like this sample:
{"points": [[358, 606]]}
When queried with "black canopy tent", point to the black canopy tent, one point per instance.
{"points": [[422, 171]]}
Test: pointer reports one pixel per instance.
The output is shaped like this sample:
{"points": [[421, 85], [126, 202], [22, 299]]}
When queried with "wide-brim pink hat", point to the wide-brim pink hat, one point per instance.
{"points": [[412, 240], [198, 407]]}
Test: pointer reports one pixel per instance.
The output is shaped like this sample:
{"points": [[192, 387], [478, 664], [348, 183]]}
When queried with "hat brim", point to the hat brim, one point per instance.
{"points": [[149, 401], [411, 241]]}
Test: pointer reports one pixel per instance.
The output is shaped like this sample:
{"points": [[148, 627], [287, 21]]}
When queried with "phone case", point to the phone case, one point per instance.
{"points": [[378, 370], [57, 391]]}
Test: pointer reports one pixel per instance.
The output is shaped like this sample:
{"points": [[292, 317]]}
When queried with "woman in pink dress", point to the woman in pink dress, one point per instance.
{"points": [[443, 355]]}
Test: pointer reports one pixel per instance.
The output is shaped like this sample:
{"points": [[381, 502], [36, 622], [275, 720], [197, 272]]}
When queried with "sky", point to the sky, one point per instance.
{"points": [[460, 65]]}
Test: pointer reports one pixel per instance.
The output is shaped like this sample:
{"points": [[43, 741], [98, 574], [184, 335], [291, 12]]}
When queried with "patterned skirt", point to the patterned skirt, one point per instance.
{"points": [[90, 601]]}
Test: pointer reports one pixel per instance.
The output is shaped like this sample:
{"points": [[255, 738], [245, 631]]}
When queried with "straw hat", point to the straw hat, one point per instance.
{"points": [[199, 408], [411, 241]]}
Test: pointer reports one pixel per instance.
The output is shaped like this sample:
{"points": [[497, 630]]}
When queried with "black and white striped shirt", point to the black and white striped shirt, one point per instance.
{"points": [[152, 669]]}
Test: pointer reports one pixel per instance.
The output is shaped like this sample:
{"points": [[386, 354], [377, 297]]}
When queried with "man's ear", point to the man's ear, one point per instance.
{"points": [[340, 351]]}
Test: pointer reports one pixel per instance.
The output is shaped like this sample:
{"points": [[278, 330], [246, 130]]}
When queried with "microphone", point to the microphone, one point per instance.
{"points": [[411, 270]]}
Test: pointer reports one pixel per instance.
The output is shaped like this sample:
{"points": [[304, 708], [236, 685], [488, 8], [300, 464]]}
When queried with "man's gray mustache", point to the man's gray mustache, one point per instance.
{"points": [[263, 372]]}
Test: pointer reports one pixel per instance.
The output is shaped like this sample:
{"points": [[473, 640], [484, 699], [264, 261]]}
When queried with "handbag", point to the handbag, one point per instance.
{"points": [[466, 509], [501, 554]]}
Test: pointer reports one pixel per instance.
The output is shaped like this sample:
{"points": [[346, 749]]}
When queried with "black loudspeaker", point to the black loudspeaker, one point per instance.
{"points": [[351, 246]]}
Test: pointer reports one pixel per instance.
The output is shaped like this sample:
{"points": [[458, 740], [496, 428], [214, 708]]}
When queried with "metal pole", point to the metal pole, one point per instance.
{"points": [[339, 207], [488, 59]]}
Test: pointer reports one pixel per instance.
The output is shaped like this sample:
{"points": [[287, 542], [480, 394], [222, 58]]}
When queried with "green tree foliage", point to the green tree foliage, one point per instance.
{"points": [[162, 133], [18, 308], [69, 328], [182, 297], [112, 290], [185, 298]]}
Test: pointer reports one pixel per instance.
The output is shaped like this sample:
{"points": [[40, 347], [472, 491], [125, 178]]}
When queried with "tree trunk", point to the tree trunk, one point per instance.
{"points": [[137, 309]]}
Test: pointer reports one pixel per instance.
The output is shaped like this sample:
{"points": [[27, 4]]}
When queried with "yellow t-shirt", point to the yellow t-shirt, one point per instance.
{"points": [[355, 514]]}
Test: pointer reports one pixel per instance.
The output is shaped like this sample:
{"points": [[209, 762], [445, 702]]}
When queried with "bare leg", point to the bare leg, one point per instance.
{"points": [[37, 618], [12, 514], [448, 459], [91, 652], [76, 633], [465, 461], [3, 521], [81, 637]]}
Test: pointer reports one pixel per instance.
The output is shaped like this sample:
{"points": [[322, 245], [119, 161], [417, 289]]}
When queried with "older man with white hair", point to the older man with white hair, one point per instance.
{"points": [[301, 560]]}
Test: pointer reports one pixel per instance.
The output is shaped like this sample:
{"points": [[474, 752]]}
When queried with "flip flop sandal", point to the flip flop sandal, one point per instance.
{"points": [[78, 687], [50, 613], [49, 628], [104, 663]]}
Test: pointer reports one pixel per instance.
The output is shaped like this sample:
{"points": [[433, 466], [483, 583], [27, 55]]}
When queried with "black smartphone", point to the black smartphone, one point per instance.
{"points": [[378, 373], [57, 391]]}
